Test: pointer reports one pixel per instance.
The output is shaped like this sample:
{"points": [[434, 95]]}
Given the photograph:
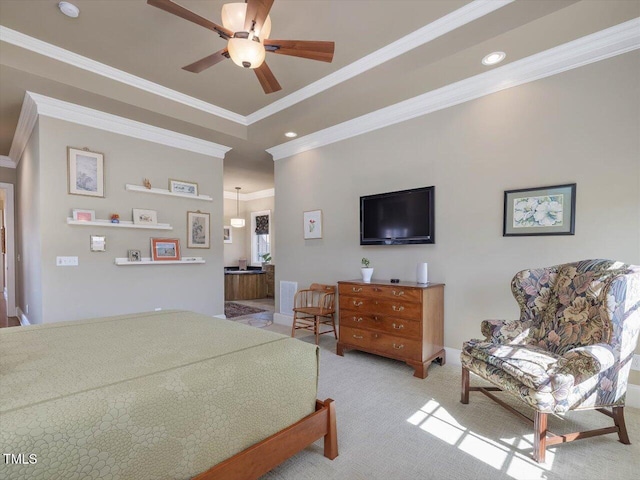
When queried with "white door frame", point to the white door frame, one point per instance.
{"points": [[10, 256]]}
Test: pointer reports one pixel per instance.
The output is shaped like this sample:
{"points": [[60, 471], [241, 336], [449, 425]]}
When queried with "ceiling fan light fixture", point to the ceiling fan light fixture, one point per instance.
{"points": [[233, 15], [246, 53]]}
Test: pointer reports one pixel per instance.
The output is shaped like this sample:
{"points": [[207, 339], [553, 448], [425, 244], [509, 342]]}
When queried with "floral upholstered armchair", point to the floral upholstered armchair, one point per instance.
{"points": [[571, 349]]}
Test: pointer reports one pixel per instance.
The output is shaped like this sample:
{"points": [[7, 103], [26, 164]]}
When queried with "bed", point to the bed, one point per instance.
{"points": [[170, 394]]}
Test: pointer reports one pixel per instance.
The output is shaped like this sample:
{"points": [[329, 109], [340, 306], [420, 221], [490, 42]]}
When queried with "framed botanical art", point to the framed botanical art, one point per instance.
{"points": [[183, 187], [312, 222], [198, 231], [165, 249], [85, 172], [145, 217], [540, 211], [227, 234]]}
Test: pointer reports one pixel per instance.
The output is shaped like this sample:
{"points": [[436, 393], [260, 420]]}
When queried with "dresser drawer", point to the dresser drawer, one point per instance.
{"points": [[395, 308], [388, 345], [382, 292], [381, 323]]}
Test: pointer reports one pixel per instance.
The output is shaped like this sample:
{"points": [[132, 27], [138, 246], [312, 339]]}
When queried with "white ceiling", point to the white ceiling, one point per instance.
{"points": [[140, 51]]}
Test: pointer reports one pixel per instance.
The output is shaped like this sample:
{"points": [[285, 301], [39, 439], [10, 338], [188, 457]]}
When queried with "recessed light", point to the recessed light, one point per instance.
{"points": [[291, 134], [69, 9], [493, 58]]}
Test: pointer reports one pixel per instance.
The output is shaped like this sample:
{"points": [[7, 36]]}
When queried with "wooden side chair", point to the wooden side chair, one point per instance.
{"points": [[314, 307]]}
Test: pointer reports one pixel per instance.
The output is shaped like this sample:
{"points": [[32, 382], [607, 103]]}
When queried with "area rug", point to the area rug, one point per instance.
{"points": [[232, 310]]}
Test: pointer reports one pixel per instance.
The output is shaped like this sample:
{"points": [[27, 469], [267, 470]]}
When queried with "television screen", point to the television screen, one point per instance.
{"points": [[395, 218]]}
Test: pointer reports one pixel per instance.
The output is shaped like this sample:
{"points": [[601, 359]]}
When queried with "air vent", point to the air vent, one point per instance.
{"points": [[287, 293]]}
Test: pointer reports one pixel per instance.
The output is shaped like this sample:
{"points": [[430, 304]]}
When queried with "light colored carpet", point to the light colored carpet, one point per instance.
{"points": [[392, 425]]}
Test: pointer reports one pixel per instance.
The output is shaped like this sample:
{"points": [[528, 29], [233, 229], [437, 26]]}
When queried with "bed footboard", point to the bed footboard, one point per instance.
{"points": [[258, 459]]}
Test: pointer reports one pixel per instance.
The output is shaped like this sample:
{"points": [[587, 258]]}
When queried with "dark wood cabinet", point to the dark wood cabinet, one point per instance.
{"points": [[404, 321]]}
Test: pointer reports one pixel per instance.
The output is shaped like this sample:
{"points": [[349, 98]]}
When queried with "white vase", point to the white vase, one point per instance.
{"points": [[367, 273], [422, 275]]}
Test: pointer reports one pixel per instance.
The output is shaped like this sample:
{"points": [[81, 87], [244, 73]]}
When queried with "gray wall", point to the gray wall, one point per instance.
{"points": [[28, 230], [8, 175], [97, 287], [580, 126]]}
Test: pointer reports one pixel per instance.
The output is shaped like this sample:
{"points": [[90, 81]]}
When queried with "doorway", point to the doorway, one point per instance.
{"points": [[8, 248]]}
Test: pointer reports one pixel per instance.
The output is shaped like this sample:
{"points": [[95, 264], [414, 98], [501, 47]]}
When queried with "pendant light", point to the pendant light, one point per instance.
{"points": [[237, 222]]}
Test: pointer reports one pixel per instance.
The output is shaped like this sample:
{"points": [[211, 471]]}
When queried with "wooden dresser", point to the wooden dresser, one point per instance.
{"points": [[270, 279], [402, 320]]}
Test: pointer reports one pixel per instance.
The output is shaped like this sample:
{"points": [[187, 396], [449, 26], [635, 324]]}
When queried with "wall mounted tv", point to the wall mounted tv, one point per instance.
{"points": [[398, 218]]}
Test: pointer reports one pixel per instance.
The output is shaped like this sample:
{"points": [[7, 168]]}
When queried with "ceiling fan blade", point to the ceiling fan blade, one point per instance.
{"points": [[208, 61], [257, 10], [180, 11], [313, 50], [267, 79]]}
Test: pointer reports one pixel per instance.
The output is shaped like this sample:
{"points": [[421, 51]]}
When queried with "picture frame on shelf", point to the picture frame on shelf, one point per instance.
{"points": [[312, 224], [134, 255], [85, 171], [84, 215], [198, 230], [165, 249], [98, 243], [540, 211], [183, 187], [144, 217], [227, 234]]}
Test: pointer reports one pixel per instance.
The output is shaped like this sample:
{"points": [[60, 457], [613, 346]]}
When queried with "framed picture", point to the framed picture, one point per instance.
{"points": [[84, 215], [227, 234], [98, 243], [312, 224], [540, 211], [165, 249], [86, 172], [145, 217], [198, 231], [134, 255], [185, 188]]}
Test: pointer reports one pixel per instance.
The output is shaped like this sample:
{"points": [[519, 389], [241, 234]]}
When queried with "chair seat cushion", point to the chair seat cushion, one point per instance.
{"points": [[533, 366]]}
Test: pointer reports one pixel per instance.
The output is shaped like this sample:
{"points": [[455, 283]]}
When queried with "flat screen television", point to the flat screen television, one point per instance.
{"points": [[398, 218]]}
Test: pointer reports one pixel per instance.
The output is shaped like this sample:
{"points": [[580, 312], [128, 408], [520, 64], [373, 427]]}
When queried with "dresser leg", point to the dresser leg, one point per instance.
{"points": [[421, 370], [339, 350]]}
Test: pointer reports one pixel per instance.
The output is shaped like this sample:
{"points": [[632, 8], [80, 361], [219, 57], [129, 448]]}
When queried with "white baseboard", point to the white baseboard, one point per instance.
{"points": [[220, 315], [22, 317], [282, 319], [453, 356]]}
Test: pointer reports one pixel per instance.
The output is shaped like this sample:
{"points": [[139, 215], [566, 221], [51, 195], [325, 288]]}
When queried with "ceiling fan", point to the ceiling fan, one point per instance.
{"points": [[246, 27]]}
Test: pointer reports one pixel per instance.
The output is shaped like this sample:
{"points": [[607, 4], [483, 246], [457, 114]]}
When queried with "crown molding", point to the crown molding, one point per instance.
{"points": [[43, 48], [246, 197], [456, 19], [607, 43], [35, 104], [7, 162]]}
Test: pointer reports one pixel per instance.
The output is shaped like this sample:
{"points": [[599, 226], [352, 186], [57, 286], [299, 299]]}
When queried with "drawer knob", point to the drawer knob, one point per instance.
{"points": [[398, 294], [398, 327], [397, 308], [359, 319], [358, 289], [356, 303], [375, 317], [360, 337], [397, 347]]}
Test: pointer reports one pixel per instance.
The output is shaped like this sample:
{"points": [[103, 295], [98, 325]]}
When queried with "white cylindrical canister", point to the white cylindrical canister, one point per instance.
{"points": [[422, 273]]}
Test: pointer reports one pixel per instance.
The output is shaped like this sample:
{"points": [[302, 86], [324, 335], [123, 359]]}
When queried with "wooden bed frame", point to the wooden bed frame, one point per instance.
{"points": [[258, 459]]}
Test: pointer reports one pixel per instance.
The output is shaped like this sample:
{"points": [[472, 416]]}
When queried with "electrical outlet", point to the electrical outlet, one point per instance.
{"points": [[67, 261], [635, 363], [158, 309]]}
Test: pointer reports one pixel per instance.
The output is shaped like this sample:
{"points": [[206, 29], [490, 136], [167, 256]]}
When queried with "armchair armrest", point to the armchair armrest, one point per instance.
{"points": [[600, 355], [505, 331]]}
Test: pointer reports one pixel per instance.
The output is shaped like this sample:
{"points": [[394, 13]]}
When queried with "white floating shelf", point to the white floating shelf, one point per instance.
{"points": [[163, 191], [148, 261], [122, 224]]}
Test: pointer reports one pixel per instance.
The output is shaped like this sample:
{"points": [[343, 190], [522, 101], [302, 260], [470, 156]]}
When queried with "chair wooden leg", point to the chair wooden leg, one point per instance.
{"points": [[293, 326], [316, 328], [464, 396], [539, 436], [618, 419], [333, 321]]}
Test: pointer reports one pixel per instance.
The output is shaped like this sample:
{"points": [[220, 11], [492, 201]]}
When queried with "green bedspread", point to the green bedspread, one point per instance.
{"points": [[148, 396]]}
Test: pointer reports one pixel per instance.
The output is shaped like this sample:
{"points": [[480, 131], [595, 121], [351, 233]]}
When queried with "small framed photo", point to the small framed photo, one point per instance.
{"points": [[98, 243], [183, 187], [165, 249], [145, 217], [540, 211], [84, 215], [198, 230], [134, 255], [227, 234], [85, 172], [312, 222]]}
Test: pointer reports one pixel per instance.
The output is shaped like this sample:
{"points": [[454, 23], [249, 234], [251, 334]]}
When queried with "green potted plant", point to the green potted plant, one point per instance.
{"points": [[266, 258], [367, 271]]}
